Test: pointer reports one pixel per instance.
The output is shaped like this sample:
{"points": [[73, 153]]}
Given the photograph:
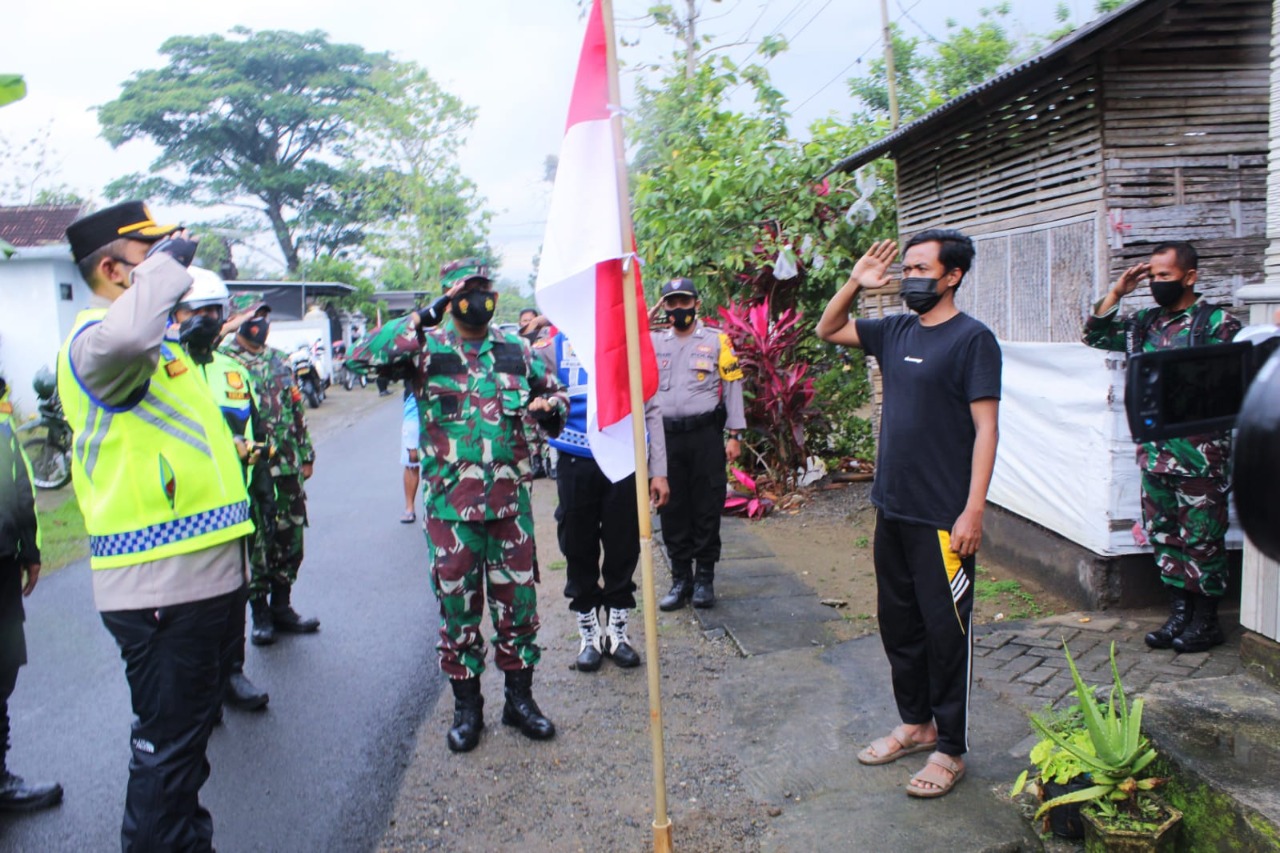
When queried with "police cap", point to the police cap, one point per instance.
{"points": [[677, 287], [129, 219]]}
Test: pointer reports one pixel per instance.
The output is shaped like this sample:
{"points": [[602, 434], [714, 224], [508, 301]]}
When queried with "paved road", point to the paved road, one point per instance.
{"points": [[319, 769]]}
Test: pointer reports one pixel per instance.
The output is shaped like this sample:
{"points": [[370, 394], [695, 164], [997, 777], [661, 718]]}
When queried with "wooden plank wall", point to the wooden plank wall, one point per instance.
{"points": [[1185, 139], [1018, 178], [1032, 160]]}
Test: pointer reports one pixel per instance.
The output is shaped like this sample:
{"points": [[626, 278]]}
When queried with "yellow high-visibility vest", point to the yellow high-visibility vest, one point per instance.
{"points": [[157, 476]]}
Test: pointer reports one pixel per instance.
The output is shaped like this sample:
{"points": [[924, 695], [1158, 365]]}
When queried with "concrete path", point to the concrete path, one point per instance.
{"points": [[804, 707]]}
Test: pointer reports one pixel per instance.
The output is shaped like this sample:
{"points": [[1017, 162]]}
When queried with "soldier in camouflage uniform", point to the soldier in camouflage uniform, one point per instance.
{"points": [[276, 554], [1184, 480], [475, 385]]}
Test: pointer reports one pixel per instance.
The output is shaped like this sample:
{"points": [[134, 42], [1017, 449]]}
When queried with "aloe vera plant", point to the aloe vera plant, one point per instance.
{"points": [[1116, 753]]}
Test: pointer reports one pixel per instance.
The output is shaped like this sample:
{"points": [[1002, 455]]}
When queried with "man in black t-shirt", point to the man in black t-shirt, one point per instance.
{"points": [[937, 447]]}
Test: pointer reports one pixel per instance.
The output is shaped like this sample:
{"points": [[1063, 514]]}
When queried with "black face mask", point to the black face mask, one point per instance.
{"points": [[682, 318], [199, 333], [473, 308], [1166, 293], [920, 294]]}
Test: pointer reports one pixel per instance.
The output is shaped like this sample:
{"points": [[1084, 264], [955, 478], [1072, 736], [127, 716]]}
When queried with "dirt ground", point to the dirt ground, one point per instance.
{"points": [[828, 543], [591, 787]]}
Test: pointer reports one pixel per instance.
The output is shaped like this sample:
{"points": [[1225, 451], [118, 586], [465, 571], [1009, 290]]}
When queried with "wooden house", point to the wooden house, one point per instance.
{"points": [[1148, 124], [1145, 125]]}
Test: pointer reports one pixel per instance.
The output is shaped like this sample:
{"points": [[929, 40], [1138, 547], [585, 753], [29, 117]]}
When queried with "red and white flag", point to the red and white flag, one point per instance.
{"points": [[580, 277]]}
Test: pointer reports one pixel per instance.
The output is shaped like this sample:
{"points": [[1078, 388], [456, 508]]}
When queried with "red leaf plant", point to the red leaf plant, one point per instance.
{"points": [[751, 503], [779, 391]]}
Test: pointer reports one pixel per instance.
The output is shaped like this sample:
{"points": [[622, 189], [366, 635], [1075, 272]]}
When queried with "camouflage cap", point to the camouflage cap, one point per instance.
{"points": [[463, 269]]}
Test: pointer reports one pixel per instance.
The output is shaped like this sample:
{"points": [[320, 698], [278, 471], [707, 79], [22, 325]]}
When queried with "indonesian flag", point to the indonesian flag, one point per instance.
{"points": [[580, 276]]}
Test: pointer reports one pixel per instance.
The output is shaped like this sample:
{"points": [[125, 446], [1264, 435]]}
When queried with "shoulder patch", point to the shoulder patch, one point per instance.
{"points": [[730, 370], [542, 343]]}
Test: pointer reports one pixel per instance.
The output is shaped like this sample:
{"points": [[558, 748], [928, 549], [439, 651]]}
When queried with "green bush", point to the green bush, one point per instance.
{"points": [[838, 431]]}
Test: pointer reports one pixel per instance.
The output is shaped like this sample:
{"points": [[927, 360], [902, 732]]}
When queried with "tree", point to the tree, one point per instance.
{"points": [[968, 56], [427, 211], [245, 121], [29, 172]]}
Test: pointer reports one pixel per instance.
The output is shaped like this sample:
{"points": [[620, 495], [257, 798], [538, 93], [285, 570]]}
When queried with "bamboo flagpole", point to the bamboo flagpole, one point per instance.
{"points": [[661, 820], [588, 286]]}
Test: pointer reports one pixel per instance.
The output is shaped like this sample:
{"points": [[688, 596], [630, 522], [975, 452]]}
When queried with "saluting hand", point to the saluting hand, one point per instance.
{"points": [[872, 269], [1129, 280]]}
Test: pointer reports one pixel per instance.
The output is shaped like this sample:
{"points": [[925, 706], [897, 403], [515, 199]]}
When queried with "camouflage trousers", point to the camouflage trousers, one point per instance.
{"points": [[278, 556], [1186, 521], [474, 561]]}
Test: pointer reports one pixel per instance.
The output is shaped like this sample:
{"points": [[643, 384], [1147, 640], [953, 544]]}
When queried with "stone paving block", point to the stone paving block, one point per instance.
{"points": [[1047, 692], [1018, 666], [1038, 676], [1038, 643], [1006, 652], [992, 641]]}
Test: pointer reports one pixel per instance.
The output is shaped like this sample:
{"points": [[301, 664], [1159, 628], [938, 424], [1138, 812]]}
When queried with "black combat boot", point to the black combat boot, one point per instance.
{"points": [[704, 593], [18, 796], [468, 715], [521, 710], [617, 644], [589, 656], [241, 692], [681, 588], [286, 619], [264, 629], [1203, 633], [15, 794], [1179, 616]]}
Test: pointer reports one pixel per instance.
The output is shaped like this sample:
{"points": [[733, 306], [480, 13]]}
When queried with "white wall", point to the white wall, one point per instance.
{"points": [[34, 319], [1066, 460]]}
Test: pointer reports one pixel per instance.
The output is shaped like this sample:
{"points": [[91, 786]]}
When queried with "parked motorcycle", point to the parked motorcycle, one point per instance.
{"points": [[343, 375], [50, 453], [306, 376]]}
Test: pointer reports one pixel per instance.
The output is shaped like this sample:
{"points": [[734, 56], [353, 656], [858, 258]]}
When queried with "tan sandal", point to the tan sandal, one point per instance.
{"points": [[893, 746], [940, 787]]}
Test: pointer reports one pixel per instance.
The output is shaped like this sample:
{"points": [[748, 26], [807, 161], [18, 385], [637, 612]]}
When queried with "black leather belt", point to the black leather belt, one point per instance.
{"points": [[690, 423]]}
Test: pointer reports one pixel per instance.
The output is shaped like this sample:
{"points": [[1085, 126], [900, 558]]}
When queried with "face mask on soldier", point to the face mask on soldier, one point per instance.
{"points": [[474, 307], [1167, 293]]}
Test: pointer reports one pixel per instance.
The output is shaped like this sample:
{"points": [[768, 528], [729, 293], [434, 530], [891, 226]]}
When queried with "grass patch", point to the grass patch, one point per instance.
{"points": [[64, 539], [557, 566], [1018, 603], [862, 542]]}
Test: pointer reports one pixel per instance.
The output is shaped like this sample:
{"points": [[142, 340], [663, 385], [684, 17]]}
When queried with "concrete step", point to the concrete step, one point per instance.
{"points": [[1219, 742]]}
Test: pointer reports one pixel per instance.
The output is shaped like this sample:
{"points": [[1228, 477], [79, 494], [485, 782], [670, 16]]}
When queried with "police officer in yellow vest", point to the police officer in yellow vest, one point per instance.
{"points": [[164, 502], [199, 316], [700, 394]]}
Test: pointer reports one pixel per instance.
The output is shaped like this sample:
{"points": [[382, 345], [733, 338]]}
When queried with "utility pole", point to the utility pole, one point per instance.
{"points": [[890, 75], [690, 33]]}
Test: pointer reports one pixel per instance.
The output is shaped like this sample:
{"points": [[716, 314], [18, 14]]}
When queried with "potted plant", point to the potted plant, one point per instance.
{"points": [[1058, 772], [1119, 809]]}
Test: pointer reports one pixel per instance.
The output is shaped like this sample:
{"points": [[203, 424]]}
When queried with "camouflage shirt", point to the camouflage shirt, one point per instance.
{"points": [[1207, 455], [473, 397], [279, 407]]}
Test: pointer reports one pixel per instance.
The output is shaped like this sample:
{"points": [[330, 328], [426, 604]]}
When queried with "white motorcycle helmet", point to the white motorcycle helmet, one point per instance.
{"points": [[207, 288]]}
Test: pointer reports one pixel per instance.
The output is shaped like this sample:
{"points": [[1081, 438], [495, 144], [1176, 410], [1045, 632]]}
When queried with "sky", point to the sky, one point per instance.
{"points": [[512, 59]]}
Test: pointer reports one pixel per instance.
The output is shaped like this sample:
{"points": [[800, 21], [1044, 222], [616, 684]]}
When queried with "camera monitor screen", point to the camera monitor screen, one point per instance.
{"points": [[1182, 392]]}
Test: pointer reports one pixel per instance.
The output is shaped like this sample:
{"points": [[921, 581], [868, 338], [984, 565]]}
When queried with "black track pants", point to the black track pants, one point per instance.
{"points": [[594, 514], [925, 597]]}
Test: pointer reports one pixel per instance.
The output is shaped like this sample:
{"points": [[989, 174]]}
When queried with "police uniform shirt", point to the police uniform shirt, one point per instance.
{"points": [[697, 371], [135, 324]]}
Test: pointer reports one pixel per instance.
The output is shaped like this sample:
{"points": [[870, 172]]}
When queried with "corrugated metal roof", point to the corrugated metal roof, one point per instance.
{"points": [[1094, 36], [37, 225]]}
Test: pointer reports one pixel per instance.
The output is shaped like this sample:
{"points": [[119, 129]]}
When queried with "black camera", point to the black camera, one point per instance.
{"points": [[1195, 390]]}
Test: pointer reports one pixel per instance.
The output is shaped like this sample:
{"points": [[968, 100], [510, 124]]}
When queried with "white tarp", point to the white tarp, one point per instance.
{"points": [[1066, 460]]}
